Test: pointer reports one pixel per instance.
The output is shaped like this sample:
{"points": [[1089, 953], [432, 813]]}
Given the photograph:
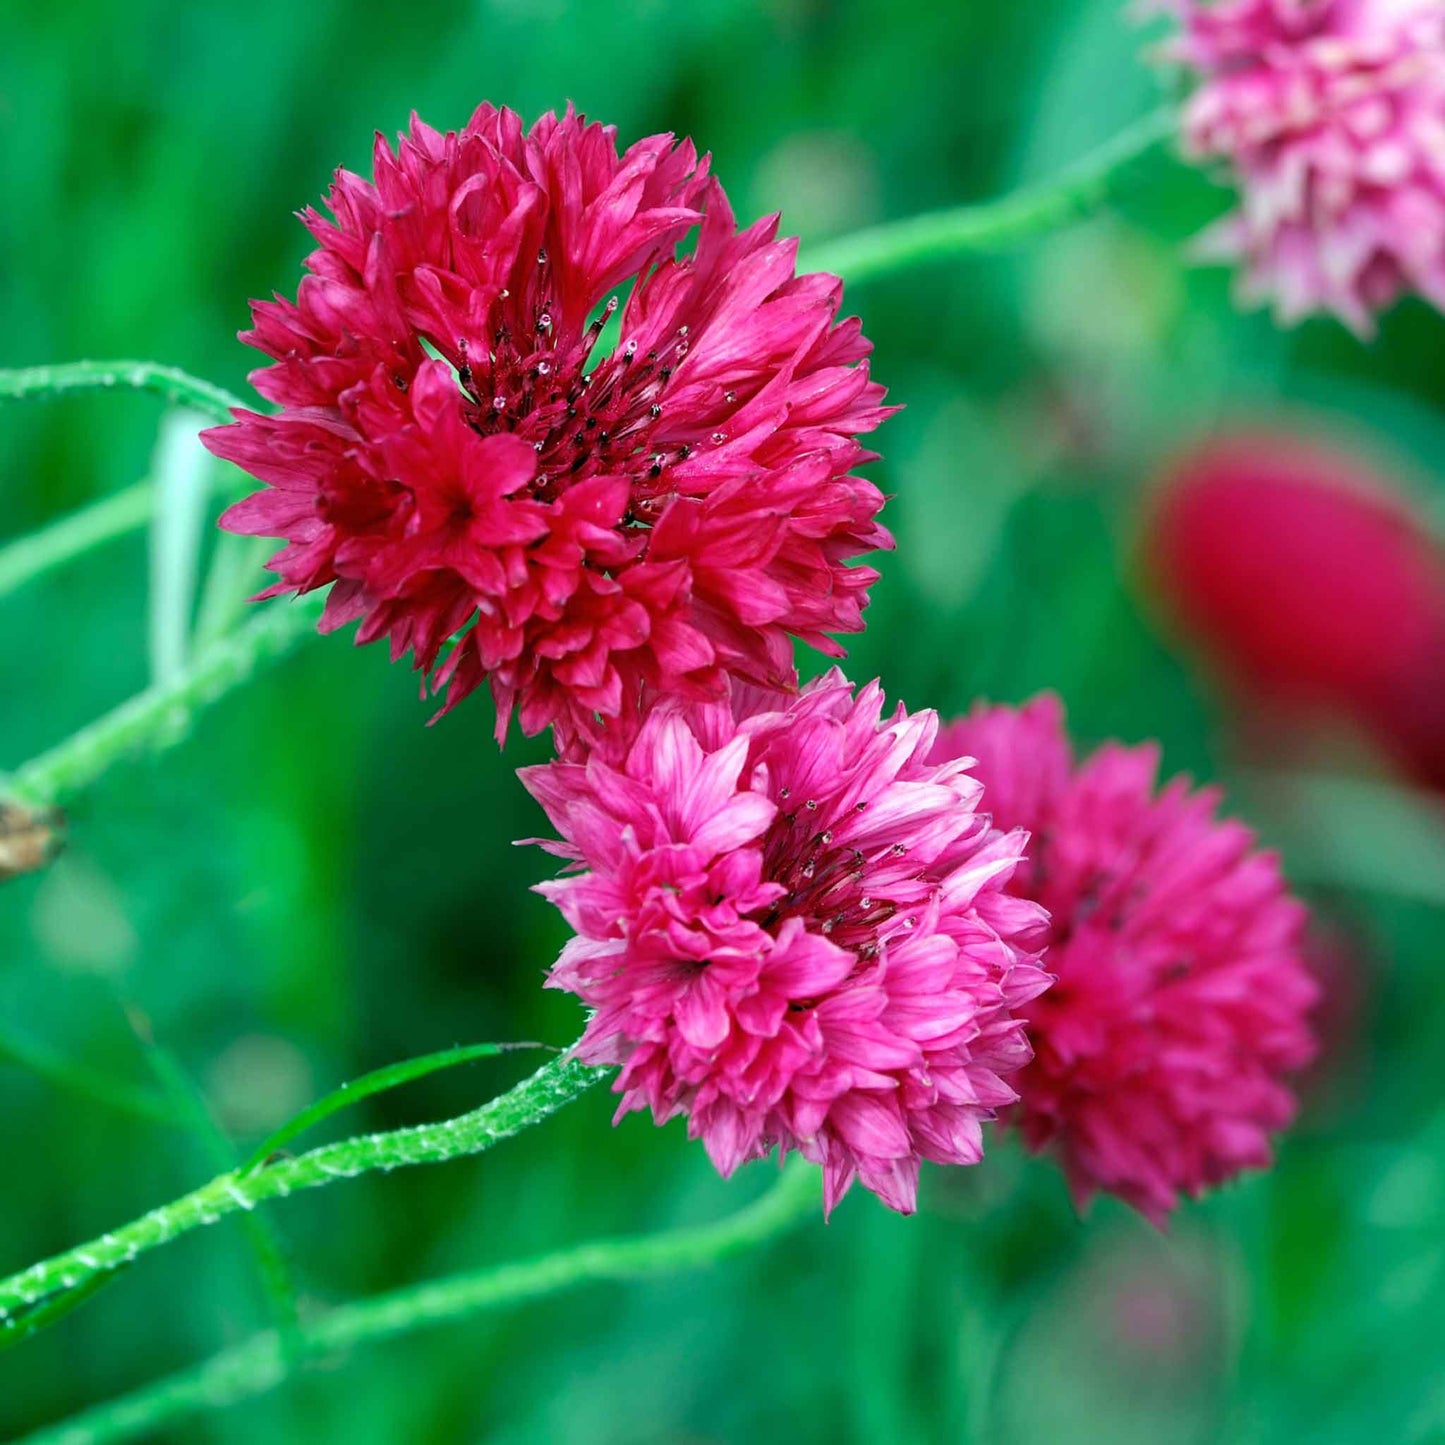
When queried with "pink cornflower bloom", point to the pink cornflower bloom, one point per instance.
{"points": [[1331, 116], [794, 929], [452, 459], [1162, 1051]]}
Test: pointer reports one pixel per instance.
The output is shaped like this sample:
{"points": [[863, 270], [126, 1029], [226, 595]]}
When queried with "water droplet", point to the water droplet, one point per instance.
{"points": [[544, 368], [499, 403], [811, 805], [542, 256], [719, 437]]}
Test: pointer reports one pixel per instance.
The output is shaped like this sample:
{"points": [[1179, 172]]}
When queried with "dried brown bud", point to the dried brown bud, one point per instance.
{"points": [[29, 839]]}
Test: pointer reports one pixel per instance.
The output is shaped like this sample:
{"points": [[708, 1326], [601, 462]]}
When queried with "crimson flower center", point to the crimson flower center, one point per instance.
{"points": [[531, 378], [828, 884]]}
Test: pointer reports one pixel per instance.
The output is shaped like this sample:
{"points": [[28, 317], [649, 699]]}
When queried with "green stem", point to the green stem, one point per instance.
{"points": [[995, 225], [557, 1083], [160, 716], [32, 556], [391, 1077], [168, 381], [260, 1364]]}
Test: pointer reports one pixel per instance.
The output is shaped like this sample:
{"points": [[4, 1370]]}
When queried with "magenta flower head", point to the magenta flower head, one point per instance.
{"points": [[454, 461], [1330, 114], [794, 929], [1162, 1051]]}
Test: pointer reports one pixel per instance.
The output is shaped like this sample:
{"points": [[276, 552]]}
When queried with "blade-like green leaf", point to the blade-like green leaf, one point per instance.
{"points": [[19, 1328], [181, 471], [376, 1082]]}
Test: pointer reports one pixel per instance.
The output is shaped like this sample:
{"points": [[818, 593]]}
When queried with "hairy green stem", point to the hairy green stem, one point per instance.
{"points": [[160, 716], [393, 1076], [260, 1364], [557, 1083], [995, 225], [29, 382]]}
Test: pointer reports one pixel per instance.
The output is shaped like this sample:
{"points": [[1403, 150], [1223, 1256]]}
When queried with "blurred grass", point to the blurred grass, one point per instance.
{"points": [[316, 884]]}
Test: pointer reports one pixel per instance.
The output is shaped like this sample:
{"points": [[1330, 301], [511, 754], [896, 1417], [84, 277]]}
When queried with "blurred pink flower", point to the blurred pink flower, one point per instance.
{"points": [[1313, 583], [450, 456], [1331, 116], [793, 928], [1161, 1052]]}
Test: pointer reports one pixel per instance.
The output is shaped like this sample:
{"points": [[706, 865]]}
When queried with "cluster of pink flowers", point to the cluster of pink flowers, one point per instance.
{"points": [[1330, 117], [800, 923]]}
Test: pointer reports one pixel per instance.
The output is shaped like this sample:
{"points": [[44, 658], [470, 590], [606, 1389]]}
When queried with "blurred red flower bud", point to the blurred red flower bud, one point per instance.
{"points": [[1308, 578]]}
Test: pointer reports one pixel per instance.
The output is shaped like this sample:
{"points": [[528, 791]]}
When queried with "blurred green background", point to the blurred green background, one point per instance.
{"points": [[316, 884]]}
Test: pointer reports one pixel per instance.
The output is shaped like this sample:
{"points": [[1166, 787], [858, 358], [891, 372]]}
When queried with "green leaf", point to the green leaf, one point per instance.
{"points": [[390, 1077], [19, 1328], [181, 469]]}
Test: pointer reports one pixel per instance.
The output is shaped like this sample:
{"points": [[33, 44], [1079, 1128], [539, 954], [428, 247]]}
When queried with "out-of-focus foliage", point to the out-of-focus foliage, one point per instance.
{"points": [[317, 884]]}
